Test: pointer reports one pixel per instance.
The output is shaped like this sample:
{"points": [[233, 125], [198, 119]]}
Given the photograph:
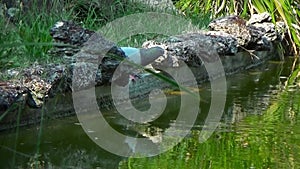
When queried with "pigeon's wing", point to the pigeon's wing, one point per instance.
{"points": [[137, 56]]}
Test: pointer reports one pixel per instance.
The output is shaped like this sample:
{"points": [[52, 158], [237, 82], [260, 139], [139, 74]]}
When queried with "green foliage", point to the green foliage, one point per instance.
{"points": [[251, 144], [215, 8], [288, 103], [7, 54], [280, 10], [267, 141], [25, 37], [94, 14]]}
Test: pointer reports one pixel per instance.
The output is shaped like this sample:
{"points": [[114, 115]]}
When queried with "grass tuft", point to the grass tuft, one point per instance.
{"points": [[25, 37]]}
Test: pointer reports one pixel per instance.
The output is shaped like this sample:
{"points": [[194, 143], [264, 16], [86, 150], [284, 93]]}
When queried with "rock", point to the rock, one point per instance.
{"points": [[101, 53], [33, 84], [11, 92], [189, 47], [225, 43], [259, 40], [233, 25], [71, 34], [263, 31], [255, 34], [259, 18], [68, 32], [91, 44]]}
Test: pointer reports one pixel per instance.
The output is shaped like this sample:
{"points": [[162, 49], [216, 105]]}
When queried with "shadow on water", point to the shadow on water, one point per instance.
{"points": [[243, 139]]}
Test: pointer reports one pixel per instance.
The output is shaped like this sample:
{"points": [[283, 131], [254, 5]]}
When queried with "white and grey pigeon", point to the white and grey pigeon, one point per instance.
{"points": [[140, 56]]}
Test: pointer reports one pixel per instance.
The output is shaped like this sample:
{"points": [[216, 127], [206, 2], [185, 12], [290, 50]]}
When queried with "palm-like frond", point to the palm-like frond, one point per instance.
{"points": [[287, 11]]}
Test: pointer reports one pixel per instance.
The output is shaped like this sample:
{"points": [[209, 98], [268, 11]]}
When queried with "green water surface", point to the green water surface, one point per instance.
{"points": [[259, 129]]}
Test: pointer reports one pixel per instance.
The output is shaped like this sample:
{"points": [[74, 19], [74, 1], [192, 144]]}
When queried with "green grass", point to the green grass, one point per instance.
{"points": [[280, 10], [26, 39]]}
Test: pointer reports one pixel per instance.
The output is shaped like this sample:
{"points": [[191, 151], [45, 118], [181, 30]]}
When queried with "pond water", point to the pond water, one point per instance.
{"points": [[250, 133]]}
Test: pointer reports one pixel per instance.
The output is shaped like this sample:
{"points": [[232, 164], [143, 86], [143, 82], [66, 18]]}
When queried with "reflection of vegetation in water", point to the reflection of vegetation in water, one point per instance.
{"points": [[267, 141], [262, 141], [288, 102]]}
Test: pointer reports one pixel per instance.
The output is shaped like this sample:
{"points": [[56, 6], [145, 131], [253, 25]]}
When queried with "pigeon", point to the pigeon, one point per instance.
{"points": [[139, 56], [143, 56]]}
